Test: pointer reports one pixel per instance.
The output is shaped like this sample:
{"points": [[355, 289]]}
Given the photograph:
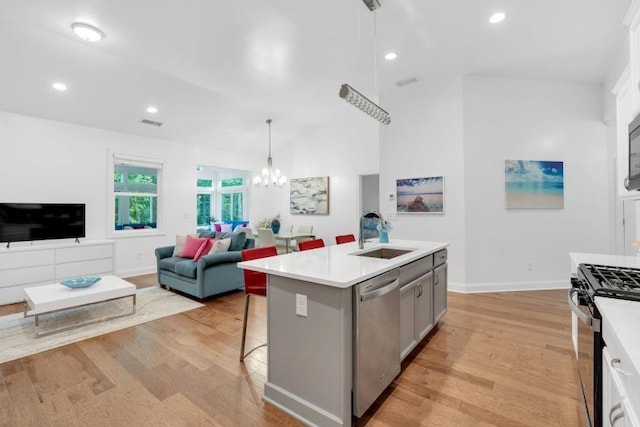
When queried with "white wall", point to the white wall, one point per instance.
{"points": [[425, 139], [48, 161], [342, 151], [533, 120]]}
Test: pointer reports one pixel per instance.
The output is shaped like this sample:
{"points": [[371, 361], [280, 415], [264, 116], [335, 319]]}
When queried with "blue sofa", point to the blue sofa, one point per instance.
{"points": [[211, 275]]}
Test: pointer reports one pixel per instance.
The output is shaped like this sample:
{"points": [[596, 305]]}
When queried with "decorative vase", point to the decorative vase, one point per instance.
{"points": [[275, 226]]}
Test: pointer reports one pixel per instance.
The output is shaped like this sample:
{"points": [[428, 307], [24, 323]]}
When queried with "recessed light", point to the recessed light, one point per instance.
{"points": [[152, 110], [87, 32], [60, 87], [497, 17], [390, 56]]}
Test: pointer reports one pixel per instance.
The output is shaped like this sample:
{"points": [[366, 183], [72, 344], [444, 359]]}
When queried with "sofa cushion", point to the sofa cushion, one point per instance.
{"points": [[181, 266], [208, 234], [180, 241], [186, 267], [237, 240], [192, 246], [220, 245], [204, 249]]}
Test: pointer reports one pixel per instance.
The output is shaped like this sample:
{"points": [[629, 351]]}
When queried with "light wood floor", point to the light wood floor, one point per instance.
{"points": [[501, 359]]}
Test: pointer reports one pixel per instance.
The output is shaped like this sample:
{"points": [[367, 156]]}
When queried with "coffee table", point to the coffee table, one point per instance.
{"points": [[47, 299]]}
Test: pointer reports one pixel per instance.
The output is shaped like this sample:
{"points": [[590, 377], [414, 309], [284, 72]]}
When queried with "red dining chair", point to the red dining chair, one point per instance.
{"points": [[345, 238], [311, 244], [255, 283]]}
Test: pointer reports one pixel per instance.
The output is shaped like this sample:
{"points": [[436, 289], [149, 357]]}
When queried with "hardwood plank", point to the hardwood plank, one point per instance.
{"points": [[499, 359]]}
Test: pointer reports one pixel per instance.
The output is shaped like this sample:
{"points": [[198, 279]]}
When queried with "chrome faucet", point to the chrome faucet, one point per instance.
{"points": [[368, 214]]}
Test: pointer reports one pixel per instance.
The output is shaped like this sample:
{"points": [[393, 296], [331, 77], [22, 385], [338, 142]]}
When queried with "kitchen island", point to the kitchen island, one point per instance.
{"points": [[310, 318]]}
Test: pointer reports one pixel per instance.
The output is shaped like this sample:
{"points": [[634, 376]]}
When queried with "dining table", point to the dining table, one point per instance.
{"points": [[283, 235], [288, 236]]}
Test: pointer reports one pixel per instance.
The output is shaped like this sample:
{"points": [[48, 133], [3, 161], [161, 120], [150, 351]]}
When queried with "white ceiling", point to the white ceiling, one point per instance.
{"points": [[218, 69]]}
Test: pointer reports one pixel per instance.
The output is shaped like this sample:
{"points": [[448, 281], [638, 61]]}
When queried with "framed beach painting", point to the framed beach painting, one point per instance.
{"points": [[309, 196], [420, 195], [533, 184]]}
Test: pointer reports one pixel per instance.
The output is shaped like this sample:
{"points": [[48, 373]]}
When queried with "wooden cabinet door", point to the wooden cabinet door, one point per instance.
{"points": [[407, 319], [439, 293], [424, 305]]}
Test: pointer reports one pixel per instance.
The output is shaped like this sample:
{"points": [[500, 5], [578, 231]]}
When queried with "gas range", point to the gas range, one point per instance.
{"points": [[610, 281]]}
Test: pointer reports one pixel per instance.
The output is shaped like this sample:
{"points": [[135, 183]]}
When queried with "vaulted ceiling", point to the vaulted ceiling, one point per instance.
{"points": [[217, 69]]}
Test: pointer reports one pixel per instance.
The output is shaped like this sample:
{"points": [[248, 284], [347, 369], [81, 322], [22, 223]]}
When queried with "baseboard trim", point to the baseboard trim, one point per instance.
{"points": [[543, 285], [136, 271]]}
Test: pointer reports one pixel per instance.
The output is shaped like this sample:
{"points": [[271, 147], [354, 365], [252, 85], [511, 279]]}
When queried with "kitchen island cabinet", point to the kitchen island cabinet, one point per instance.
{"points": [[310, 324]]}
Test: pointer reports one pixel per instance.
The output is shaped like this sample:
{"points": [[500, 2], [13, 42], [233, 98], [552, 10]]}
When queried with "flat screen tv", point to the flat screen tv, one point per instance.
{"points": [[20, 222]]}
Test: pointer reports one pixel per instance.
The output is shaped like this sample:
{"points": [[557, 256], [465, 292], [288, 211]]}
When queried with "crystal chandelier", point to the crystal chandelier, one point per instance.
{"points": [[270, 176]]}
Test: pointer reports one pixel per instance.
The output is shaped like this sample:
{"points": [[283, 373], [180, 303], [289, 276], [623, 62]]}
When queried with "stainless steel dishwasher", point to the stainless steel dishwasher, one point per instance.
{"points": [[376, 347]]}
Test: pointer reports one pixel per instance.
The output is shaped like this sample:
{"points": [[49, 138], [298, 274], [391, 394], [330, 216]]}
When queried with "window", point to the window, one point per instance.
{"points": [[221, 194], [232, 207], [204, 199], [232, 199], [136, 193]]}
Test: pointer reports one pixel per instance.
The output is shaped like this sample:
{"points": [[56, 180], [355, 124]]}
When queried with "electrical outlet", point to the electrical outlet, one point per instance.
{"points": [[530, 266], [301, 305]]}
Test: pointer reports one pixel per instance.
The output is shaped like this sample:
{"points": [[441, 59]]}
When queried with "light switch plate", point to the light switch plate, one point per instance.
{"points": [[301, 305]]}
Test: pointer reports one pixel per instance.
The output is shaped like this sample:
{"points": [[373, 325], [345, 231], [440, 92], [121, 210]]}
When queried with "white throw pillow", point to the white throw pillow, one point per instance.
{"points": [[220, 245], [225, 228]]}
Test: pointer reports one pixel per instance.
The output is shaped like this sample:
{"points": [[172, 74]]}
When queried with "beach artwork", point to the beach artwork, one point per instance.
{"points": [[531, 184], [309, 196], [420, 195]]}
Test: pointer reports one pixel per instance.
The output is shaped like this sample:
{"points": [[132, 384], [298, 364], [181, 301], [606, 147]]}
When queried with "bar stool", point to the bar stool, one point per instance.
{"points": [[255, 283], [345, 238], [311, 244]]}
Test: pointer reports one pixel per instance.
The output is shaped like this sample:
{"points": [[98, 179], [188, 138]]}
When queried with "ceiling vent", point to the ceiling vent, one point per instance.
{"points": [[406, 82], [150, 122], [373, 4]]}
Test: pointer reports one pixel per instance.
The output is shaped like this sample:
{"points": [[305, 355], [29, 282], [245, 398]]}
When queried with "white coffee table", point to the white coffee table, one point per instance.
{"points": [[48, 299]]}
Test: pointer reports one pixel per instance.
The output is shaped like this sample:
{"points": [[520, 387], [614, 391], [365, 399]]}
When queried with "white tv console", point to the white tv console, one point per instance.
{"points": [[27, 265]]}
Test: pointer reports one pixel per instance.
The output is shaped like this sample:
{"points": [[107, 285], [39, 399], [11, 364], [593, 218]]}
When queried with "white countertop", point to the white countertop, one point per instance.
{"points": [[336, 266], [578, 258], [623, 317]]}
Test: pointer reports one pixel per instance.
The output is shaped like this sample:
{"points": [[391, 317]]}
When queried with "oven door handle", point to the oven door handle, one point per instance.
{"points": [[588, 320]]}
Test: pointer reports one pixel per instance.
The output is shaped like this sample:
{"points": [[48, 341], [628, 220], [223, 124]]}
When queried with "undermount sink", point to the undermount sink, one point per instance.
{"points": [[384, 253]]}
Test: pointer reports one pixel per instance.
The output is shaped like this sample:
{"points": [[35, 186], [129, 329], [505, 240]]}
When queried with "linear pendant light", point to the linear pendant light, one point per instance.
{"points": [[364, 104]]}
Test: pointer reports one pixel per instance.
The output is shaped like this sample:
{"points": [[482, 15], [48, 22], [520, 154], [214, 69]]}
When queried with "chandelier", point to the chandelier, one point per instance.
{"points": [[270, 176]]}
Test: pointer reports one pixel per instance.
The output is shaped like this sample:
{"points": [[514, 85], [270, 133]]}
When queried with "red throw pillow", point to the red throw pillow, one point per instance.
{"points": [[204, 249], [192, 246]]}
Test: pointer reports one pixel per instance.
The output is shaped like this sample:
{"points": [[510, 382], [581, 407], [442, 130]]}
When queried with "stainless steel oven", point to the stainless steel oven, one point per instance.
{"points": [[593, 281], [589, 352]]}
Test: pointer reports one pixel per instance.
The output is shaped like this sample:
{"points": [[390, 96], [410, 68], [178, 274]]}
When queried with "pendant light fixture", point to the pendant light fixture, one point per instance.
{"points": [[270, 176], [355, 98]]}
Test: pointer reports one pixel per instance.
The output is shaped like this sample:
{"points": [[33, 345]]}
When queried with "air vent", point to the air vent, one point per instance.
{"points": [[373, 4], [150, 122], [406, 82]]}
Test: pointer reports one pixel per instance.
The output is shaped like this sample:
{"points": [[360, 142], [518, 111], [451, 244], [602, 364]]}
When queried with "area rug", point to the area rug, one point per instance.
{"points": [[17, 333]]}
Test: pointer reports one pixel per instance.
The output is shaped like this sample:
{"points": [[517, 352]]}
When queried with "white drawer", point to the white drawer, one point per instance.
{"points": [[21, 276], [97, 267], [21, 259], [629, 377], [83, 253]]}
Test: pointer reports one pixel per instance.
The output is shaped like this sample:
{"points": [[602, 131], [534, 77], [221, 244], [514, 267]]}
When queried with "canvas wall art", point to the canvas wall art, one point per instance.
{"points": [[309, 196], [531, 184], [420, 195]]}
